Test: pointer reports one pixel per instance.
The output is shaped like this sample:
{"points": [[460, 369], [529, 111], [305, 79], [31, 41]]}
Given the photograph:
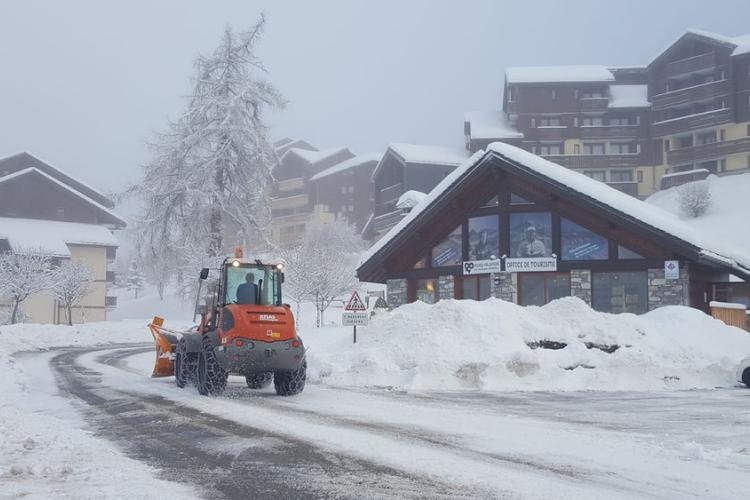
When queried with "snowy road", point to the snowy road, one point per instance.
{"points": [[353, 443]]}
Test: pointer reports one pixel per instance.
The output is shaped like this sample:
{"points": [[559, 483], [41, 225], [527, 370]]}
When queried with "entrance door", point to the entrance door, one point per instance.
{"points": [[700, 295], [537, 289]]}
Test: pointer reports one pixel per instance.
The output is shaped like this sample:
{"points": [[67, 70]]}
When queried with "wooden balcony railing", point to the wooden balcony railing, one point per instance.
{"points": [[690, 65], [595, 161], [692, 94], [691, 122], [708, 151]]}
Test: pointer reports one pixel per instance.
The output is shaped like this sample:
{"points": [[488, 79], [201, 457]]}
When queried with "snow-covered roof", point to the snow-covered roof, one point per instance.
{"points": [[432, 155], [34, 170], [555, 74], [410, 199], [313, 157], [357, 161], [52, 237], [491, 125], [734, 257], [741, 42], [628, 96]]}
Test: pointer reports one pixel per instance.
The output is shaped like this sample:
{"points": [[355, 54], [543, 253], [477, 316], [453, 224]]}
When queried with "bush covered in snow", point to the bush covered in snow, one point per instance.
{"points": [[565, 345], [694, 198]]}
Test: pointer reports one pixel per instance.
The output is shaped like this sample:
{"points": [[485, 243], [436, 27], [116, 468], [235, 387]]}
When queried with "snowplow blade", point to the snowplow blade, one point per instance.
{"points": [[165, 346]]}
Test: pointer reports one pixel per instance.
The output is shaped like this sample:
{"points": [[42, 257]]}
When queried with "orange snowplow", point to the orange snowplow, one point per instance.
{"points": [[245, 330]]}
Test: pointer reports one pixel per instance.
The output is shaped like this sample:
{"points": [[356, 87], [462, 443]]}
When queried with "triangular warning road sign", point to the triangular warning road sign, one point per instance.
{"points": [[355, 303]]}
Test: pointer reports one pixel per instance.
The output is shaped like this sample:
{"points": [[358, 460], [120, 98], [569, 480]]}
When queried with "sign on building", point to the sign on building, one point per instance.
{"points": [[483, 266], [671, 269], [530, 264]]}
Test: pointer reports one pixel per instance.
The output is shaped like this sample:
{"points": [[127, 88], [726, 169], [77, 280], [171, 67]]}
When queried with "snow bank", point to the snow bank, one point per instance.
{"points": [[497, 345]]}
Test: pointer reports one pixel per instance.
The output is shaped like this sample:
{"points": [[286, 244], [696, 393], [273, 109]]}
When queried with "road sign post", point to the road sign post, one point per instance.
{"points": [[355, 314]]}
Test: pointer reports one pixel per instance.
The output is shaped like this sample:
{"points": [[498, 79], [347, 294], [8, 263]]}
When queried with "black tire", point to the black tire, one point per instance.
{"points": [[259, 380], [746, 377], [185, 364], [291, 382], [212, 378]]}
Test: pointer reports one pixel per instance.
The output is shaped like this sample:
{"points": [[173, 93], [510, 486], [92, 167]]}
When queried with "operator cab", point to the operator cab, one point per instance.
{"points": [[247, 282]]}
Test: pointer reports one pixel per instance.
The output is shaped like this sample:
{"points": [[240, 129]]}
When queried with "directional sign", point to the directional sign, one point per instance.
{"points": [[355, 303]]}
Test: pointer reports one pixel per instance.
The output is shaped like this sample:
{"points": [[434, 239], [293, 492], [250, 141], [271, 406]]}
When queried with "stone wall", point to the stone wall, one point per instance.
{"points": [[662, 292], [504, 286], [580, 284], [397, 292], [446, 288]]}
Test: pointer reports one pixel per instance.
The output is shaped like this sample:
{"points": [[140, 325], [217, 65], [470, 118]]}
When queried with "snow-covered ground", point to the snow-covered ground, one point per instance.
{"points": [[459, 391], [727, 218]]}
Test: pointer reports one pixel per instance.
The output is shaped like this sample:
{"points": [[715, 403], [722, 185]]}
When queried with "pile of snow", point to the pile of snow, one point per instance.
{"points": [[726, 218], [497, 345], [430, 155], [491, 125], [556, 74], [628, 96], [410, 199]]}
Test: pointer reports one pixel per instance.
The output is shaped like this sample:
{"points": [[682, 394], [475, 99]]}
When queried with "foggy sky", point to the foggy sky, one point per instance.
{"points": [[84, 84]]}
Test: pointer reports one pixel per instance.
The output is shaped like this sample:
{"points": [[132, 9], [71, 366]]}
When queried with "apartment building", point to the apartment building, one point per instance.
{"points": [[43, 210], [638, 129]]}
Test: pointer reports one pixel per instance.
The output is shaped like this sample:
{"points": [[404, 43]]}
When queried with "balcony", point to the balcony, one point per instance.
{"points": [[691, 122], [295, 184], [391, 193], [289, 201], [680, 178], [594, 104], [693, 64], [630, 188], [680, 97], [595, 161], [551, 133], [708, 151], [384, 222], [110, 301], [606, 132]]}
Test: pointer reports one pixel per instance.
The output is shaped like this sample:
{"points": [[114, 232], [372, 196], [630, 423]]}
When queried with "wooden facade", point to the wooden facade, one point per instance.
{"points": [[507, 192]]}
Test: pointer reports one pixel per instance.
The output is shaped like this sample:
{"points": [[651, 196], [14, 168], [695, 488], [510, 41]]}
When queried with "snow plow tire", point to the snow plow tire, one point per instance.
{"points": [[291, 382], [185, 364], [259, 380], [211, 378], [746, 377]]}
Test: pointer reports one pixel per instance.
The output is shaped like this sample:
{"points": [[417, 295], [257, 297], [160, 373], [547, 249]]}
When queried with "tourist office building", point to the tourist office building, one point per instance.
{"points": [[512, 225]]}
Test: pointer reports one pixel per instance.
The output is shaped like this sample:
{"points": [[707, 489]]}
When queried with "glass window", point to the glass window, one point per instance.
{"points": [[621, 176], [550, 149], [426, 291], [626, 253], [620, 292], [484, 238], [685, 141], [518, 200], [475, 287], [538, 289], [599, 175], [593, 148], [623, 148], [549, 122], [592, 93], [592, 122], [707, 138], [448, 251], [252, 285], [421, 263], [579, 243], [495, 201], [531, 234]]}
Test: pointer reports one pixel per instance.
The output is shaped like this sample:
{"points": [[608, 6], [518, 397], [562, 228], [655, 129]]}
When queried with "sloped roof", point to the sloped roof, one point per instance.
{"points": [[357, 161], [628, 96], [313, 157], [284, 145], [431, 155], [739, 44], [598, 194], [558, 74], [491, 125], [24, 160], [115, 219], [52, 237]]}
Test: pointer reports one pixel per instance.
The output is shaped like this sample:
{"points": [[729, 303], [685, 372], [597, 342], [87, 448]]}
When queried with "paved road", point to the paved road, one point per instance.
{"points": [[222, 457], [361, 443]]}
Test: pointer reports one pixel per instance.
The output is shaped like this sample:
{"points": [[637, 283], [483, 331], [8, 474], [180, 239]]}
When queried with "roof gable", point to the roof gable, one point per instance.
{"points": [[736, 45], [32, 172], [663, 226], [357, 161], [23, 161]]}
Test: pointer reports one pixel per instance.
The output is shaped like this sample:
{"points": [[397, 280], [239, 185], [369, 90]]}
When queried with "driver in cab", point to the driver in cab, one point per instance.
{"points": [[247, 293]]}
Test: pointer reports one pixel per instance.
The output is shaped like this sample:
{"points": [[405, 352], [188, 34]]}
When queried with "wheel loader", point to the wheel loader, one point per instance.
{"points": [[245, 329]]}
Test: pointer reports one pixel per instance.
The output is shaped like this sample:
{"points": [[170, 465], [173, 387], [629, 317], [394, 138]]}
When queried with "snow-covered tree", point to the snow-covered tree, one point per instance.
{"points": [[136, 278], [206, 183], [23, 274], [694, 198], [72, 282], [322, 267]]}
